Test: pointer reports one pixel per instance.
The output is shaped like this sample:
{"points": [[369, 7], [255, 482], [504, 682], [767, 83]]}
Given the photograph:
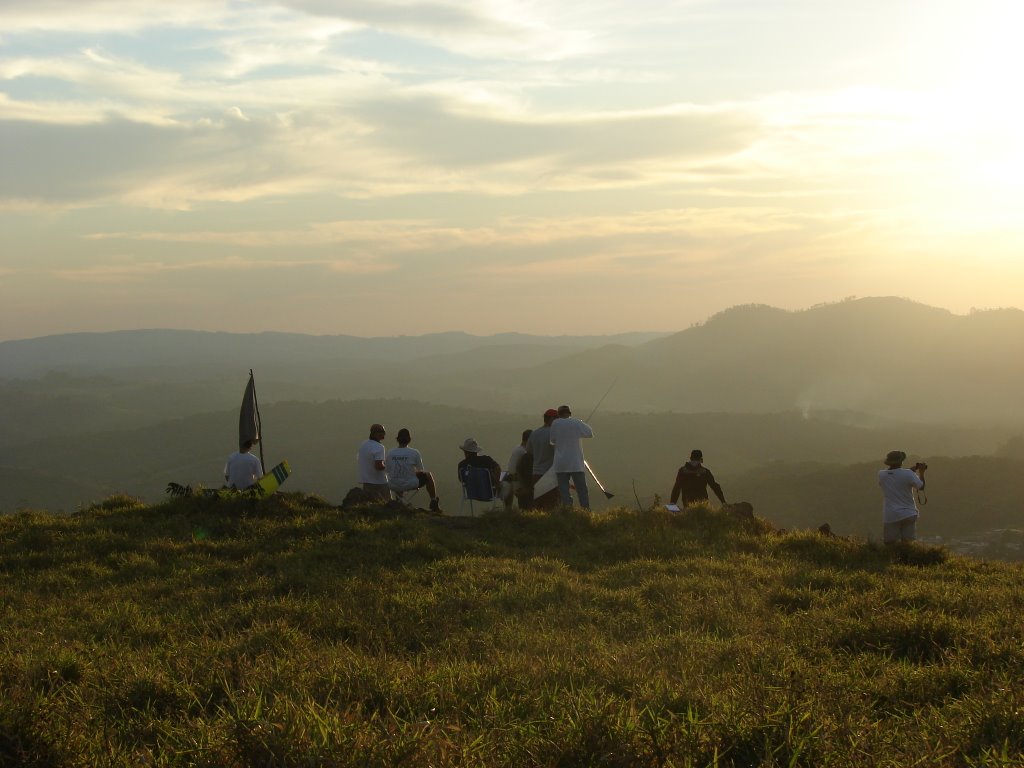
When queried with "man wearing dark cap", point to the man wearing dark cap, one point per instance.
{"points": [[693, 480], [899, 510], [543, 453]]}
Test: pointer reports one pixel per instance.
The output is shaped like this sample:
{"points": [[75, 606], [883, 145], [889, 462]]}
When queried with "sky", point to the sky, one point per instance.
{"points": [[397, 167]]}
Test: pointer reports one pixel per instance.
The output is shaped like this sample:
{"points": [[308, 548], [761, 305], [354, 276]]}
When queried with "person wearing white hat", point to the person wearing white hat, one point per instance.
{"points": [[899, 510], [474, 458]]}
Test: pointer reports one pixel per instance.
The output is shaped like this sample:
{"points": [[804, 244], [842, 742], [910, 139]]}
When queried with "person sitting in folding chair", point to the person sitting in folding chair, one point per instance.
{"points": [[406, 472], [476, 485]]}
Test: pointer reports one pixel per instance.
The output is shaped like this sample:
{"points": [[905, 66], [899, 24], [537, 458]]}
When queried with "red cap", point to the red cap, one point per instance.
{"points": [[550, 412]]}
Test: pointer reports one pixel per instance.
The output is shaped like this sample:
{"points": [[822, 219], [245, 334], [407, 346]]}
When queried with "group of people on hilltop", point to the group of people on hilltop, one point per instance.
{"points": [[556, 447]]}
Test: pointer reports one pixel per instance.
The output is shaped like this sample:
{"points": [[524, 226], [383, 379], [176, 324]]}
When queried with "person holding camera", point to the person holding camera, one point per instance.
{"points": [[899, 510]]}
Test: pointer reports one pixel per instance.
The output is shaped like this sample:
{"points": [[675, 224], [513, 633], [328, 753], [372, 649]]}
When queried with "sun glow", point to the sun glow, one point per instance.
{"points": [[975, 114]]}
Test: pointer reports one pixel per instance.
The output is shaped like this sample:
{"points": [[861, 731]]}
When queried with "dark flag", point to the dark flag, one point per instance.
{"points": [[249, 418]]}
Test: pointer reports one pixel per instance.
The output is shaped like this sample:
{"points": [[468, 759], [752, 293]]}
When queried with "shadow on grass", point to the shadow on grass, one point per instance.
{"points": [[851, 553], [296, 543]]}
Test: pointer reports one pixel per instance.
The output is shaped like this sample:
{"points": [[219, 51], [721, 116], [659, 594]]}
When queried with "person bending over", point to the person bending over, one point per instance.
{"points": [[693, 480]]}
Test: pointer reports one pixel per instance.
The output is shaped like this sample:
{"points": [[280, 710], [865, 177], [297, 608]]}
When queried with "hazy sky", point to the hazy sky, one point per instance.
{"points": [[383, 167]]}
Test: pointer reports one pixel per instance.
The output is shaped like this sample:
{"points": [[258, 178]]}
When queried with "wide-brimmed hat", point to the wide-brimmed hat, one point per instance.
{"points": [[895, 457], [469, 445]]}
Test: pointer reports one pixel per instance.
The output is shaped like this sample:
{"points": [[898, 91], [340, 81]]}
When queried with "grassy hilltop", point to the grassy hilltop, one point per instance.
{"points": [[287, 632]]}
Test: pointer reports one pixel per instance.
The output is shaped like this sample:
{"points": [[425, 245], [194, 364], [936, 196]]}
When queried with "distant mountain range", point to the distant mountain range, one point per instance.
{"points": [[197, 353], [886, 358]]}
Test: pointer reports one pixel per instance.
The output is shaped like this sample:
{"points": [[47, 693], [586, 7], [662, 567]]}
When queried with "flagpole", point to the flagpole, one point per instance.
{"points": [[259, 424]]}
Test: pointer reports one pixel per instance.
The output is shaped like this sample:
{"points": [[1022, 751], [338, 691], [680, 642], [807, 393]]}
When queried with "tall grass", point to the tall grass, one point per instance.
{"points": [[285, 632]]}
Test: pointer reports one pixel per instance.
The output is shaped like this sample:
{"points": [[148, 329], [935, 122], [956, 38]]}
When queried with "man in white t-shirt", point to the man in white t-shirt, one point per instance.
{"points": [[242, 469], [899, 510], [370, 462], [405, 470], [566, 433]]}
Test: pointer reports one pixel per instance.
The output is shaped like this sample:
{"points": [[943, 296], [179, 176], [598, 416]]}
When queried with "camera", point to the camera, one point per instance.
{"points": [[919, 465]]}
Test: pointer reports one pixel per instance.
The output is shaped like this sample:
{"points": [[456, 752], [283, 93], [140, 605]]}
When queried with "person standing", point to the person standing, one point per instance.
{"points": [[404, 467], [693, 480], [243, 469], [512, 483], [370, 461], [543, 454], [899, 510], [568, 463]]}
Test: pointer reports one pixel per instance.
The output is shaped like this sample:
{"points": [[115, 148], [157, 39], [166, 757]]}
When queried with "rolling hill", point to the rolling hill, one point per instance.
{"points": [[886, 358]]}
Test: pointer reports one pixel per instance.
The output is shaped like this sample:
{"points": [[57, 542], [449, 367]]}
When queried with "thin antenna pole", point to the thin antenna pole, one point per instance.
{"points": [[601, 400], [259, 424]]}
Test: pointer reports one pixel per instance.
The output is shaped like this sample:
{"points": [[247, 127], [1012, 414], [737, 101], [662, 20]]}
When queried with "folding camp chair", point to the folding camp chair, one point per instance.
{"points": [[477, 487], [402, 480], [405, 496]]}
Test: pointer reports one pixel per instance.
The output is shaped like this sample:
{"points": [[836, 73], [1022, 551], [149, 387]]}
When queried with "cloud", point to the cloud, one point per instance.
{"points": [[69, 163], [367, 150], [90, 16], [139, 164], [133, 271], [518, 249], [260, 32], [483, 29], [455, 136], [398, 235], [395, 233], [106, 86], [266, 105]]}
